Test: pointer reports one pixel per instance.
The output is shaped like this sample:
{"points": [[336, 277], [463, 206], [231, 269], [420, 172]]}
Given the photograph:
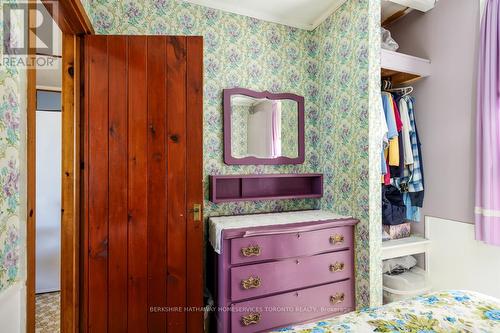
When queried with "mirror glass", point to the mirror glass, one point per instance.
{"points": [[264, 128]]}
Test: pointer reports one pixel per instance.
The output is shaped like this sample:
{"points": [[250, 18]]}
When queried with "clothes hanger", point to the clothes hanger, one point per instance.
{"points": [[386, 84], [405, 90]]}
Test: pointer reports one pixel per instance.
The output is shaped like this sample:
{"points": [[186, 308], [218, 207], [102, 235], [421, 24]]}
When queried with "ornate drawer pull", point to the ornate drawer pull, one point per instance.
{"points": [[337, 239], [337, 267], [337, 298], [251, 283], [251, 251], [250, 319]]}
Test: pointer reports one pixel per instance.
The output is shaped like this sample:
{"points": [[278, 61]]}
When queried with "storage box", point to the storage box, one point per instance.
{"points": [[398, 231], [406, 285]]}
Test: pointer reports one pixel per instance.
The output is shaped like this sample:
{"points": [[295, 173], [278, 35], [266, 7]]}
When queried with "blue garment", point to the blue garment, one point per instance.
{"points": [[383, 164], [391, 126], [389, 115], [414, 174], [417, 198], [412, 212]]}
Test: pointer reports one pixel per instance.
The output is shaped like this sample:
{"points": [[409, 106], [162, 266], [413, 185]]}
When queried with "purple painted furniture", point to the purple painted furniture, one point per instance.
{"points": [[251, 160], [275, 276], [229, 188]]}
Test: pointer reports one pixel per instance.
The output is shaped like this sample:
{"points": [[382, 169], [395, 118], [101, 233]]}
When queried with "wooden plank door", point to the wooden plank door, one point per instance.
{"points": [[142, 249]]}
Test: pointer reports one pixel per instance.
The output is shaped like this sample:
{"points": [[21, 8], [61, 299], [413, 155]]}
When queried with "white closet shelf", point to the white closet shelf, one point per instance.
{"points": [[421, 5], [393, 10], [403, 68], [405, 246]]}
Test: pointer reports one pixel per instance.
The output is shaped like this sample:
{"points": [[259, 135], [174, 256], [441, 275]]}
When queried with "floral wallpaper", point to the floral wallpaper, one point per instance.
{"points": [[345, 46], [289, 128], [12, 96], [239, 51], [334, 67], [239, 130], [375, 132]]}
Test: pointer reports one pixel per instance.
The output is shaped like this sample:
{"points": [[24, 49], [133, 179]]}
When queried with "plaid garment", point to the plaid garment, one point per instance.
{"points": [[414, 173]]}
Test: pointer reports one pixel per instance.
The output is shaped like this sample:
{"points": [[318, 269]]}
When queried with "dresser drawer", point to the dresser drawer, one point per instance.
{"points": [[288, 245], [289, 274], [293, 307]]}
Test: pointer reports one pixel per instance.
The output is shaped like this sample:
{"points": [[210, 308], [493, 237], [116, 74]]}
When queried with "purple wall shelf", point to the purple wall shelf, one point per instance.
{"points": [[230, 188]]}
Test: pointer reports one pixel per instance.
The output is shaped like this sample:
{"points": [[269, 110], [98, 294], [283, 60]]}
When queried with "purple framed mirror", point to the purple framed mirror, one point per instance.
{"points": [[263, 128]]}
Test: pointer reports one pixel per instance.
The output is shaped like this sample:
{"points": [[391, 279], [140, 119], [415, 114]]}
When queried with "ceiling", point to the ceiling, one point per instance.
{"points": [[303, 14], [49, 77]]}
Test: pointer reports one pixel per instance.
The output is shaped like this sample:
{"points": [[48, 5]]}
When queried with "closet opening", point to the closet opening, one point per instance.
{"points": [[404, 243]]}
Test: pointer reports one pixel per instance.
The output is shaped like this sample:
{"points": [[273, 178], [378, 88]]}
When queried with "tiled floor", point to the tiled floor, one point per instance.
{"points": [[47, 312]]}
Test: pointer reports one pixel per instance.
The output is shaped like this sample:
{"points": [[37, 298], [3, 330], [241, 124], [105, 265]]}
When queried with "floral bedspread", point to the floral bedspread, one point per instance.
{"points": [[440, 312]]}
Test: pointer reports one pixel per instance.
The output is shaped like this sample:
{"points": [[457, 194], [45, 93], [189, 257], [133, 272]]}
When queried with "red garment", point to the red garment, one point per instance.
{"points": [[399, 127], [397, 115], [387, 176]]}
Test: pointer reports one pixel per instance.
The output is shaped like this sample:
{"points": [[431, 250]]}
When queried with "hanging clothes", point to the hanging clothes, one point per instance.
{"points": [[388, 107], [397, 168], [393, 206], [389, 119], [386, 179], [407, 129], [384, 131], [403, 156], [415, 171], [394, 157], [412, 211]]}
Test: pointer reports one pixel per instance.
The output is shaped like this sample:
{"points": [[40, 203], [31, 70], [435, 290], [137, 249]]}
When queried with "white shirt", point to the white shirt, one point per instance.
{"points": [[405, 119]]}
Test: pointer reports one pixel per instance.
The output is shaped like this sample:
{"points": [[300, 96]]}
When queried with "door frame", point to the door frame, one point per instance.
{"points": [[73, 21]]}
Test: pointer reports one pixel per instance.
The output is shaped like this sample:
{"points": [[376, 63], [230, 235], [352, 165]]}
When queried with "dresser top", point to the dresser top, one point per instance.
{"points": [[218, 224]]}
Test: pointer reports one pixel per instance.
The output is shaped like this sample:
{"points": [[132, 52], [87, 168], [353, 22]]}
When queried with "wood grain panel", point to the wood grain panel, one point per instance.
{"points": [[117, 129], [70, 195], [157, 183], [84, 217], [194, 180], [98, 185], [176, 163], [137, 185], [143, 173], [31, 178]]}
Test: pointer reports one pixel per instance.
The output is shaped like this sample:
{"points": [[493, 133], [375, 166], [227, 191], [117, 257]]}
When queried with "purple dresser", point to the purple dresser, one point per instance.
{"points": [[281, 269]]}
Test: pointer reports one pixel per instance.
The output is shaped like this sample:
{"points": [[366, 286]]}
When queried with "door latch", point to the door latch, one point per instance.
{"points": [[197, 212]]}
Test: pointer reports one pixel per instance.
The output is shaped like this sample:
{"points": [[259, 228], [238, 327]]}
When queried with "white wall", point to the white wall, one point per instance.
{"points": [[458, 261], [48, 200], [12, 309]]}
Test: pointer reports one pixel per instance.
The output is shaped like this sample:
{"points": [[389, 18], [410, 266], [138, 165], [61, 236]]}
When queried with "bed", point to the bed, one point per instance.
{"points": [[440, 312]]}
